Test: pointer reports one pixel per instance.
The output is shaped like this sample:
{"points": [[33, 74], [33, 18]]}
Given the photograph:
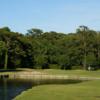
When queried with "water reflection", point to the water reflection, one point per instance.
{"points": [[5, 88], [9, 88]]}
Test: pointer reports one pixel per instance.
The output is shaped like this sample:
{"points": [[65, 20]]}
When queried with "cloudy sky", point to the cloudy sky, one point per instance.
{"points": [[49, 15]]}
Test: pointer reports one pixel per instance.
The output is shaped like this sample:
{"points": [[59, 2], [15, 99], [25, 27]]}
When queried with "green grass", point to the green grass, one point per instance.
{"points": [[87, 90], [6, 73], [73, 72], [12, 71]]}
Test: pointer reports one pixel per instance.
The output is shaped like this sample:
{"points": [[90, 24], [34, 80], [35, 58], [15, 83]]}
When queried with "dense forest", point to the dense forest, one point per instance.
{"points": [[38, 49]]}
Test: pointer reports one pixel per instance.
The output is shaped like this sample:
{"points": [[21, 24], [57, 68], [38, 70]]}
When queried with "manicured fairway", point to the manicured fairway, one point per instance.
{"points": [[73, 72], [83, 91], [88, 90]]}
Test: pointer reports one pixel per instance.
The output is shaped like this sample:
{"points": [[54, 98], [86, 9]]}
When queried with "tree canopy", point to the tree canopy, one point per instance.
{"points": [[38, 49]]}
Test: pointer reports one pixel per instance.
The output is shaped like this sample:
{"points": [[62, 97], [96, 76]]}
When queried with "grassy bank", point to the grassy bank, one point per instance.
{"points": [[7, 73], [73, 72], [13, 71], [88, 90], [57, 72], [70, 73], [83, 91]]}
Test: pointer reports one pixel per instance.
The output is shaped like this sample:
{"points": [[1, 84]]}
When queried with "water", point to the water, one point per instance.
{"points": [[10, 88]]}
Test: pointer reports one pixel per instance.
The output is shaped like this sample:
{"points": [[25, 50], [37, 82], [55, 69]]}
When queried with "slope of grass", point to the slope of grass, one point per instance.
{"points": [[59, 72], [89, 90], [73, 72]]}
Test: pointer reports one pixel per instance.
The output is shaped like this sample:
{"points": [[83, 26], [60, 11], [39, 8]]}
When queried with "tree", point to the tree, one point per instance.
{"points": [[41, 61], [37, 48], [34, 32], [97, 47], [19, 50], [2, 47], [83, 31], [64, 61], [91, 61], [2, 51], [5, 33]]}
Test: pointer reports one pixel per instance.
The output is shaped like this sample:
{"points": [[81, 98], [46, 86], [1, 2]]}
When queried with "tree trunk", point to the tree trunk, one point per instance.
{"points": [[6, 59], [84, 61]]}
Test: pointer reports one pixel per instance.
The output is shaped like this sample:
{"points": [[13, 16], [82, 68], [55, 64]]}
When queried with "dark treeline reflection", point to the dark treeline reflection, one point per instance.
{"points": [[10, 88], [38, 49]]}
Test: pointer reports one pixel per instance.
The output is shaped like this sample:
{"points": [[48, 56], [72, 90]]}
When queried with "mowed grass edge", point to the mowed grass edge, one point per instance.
{"points": [[88, 90]]}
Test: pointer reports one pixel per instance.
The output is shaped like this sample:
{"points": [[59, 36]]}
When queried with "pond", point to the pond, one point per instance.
{"points": [[10, 88]]}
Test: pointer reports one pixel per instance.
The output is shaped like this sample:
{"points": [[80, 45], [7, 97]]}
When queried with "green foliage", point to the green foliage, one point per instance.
{"points": [[50, 49], [54, 66], [34, 32], [41, 60], [76, 67], [91, 59], [2, 47], [3, 50]]}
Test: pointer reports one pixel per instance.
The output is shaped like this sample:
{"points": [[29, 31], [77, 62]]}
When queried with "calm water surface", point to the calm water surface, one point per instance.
{"points": [[10, 88]]}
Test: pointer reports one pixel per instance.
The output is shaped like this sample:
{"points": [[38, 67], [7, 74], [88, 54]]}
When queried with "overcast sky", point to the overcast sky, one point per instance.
{"points": [[49, 15]]}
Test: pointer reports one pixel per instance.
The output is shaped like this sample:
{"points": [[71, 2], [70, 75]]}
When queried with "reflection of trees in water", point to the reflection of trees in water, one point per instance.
{"points": [[5, 88], [10, 88]]}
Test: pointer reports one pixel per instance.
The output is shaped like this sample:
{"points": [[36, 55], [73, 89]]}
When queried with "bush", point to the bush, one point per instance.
{"points": [[45, 66], [54, 66], [66, 67], [76, 67]]}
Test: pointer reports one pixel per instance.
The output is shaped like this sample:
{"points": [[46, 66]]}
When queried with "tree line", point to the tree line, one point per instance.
{"points": [[38, 49]]}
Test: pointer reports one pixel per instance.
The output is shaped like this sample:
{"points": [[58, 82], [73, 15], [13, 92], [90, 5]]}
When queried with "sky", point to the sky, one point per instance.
{"points": [[49, 15]]}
